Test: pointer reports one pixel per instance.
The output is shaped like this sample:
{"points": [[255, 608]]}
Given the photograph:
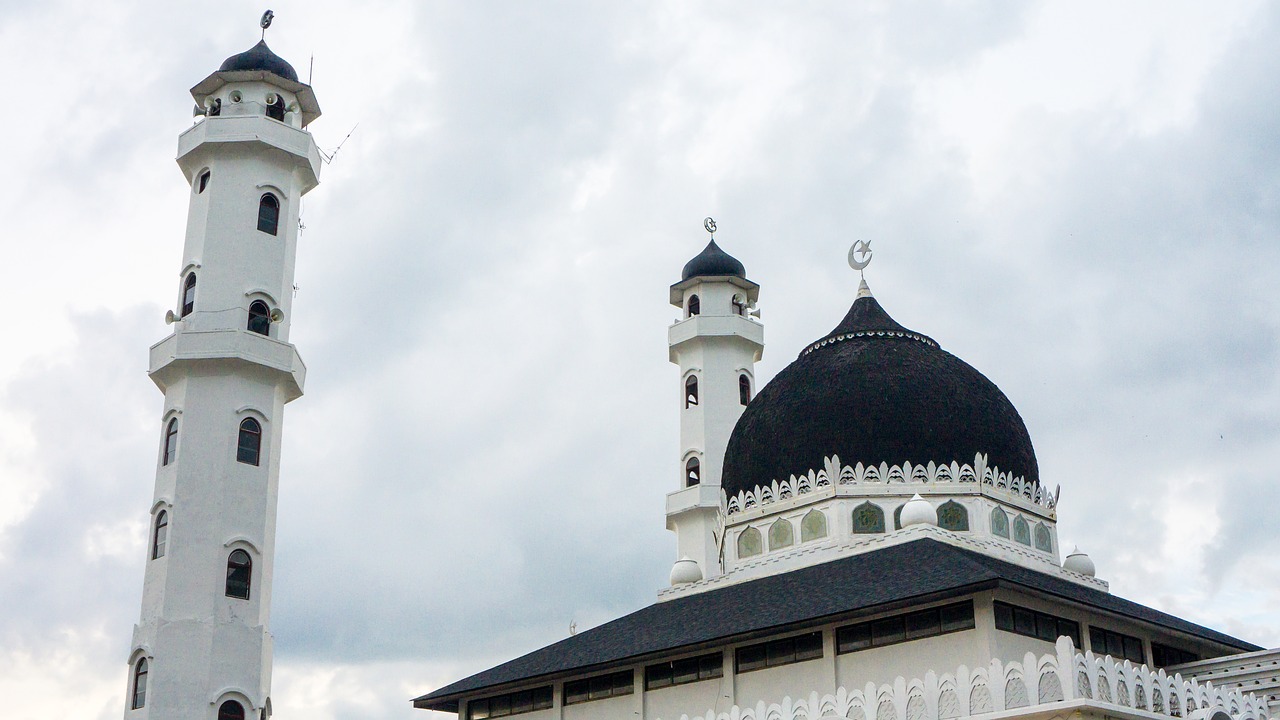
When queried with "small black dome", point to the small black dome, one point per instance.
{"points": [[260, 57], [713, 261], [873, 391]]}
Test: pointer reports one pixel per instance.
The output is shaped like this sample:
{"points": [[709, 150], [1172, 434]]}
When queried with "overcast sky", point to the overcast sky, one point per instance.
{"points": [[1082, 200]]}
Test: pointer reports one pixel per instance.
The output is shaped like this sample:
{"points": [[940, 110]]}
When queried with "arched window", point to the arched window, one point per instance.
{"points": [[239, 574], [781, 535], [268, 214], [1044, 541], [203, 182], [160, 536], [897, 517], [691, 391], [259, 318], [170, 442], [744, 389], [139, 684], [275, 110], [953, 516], [250, 445], [813, 526], [189, 294], [749, 543], [692, 472], [868, 518], [999, 523], [695, 306], [1021, 531], [231, 710]]}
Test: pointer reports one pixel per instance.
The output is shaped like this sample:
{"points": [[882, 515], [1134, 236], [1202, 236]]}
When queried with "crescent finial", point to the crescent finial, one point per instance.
{"points": [[709, 225], [860, 255]]}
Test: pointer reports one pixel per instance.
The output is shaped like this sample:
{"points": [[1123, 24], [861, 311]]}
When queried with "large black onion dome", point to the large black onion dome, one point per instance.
{"points": [[260, 57], [873, 391], [713, 261]]}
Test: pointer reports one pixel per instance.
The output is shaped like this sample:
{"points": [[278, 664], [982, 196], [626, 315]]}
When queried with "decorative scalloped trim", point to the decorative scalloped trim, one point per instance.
{"points": [[869, 333], [1064, 676], [888, 474]]}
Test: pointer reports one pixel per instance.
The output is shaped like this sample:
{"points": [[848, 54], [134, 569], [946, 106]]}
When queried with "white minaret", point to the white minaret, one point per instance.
{"points": [[717, 345], [202, 648]]}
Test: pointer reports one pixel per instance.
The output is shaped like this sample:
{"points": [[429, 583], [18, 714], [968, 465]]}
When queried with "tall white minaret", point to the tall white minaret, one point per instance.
{"points": [[717, 345], [202, 648]]}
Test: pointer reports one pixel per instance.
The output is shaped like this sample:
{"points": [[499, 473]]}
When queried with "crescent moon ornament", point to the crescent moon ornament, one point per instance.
{"points": [[860, 255], [710, 226]]}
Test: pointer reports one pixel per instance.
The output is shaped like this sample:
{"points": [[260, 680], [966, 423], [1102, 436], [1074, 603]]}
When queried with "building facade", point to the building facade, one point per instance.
{"points": [[202, 647]]}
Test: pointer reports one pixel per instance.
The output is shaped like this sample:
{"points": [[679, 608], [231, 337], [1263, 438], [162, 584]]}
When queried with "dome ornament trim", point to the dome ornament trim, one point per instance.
{"points": [[834, 472]]}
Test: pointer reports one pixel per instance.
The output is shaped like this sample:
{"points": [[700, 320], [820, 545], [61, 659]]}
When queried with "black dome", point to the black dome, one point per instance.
{"points": [[872, 391], [260, 57], [713, 261]]}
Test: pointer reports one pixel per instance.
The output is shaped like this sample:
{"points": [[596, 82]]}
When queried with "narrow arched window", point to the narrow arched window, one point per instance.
{"points": [[813, 526], [259, 318], [1044, 541], [868, 518], [695, 306], [1021, 531], [750, 543], [999, 523], [781, 535], [139, 684], [953, 516], [231, 710], [203, 182], [170, 442], [691, 391], [249, 447], [268, 214], [239, 574], [161, 535], [275, 110], [692, 472], [744, 389], [189, 294]]}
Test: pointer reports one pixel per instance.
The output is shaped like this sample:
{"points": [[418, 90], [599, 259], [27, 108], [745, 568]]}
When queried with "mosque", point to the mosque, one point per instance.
{"points": [[866, 536]]}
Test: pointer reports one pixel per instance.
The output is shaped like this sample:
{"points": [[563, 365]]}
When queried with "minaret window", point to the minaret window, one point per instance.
{"points": [[161, 535], [189, 295], [1021, 531], [999, 523], [139, 684], [813, 526], [750, 543], [953, 516], [170, 442], [275, 110], [695, 306], [268, 214], [692, 472], [203, 182], [259, 318], [691, 391], [239, 574], [781, 535], [868, 518], [231, 710], [1044, 541], [744, 389], [250, 445]]}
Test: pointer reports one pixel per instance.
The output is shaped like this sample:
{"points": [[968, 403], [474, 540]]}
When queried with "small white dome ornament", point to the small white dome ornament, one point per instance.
{"points": [[1078, 562], [685, 571], [918, 511]]}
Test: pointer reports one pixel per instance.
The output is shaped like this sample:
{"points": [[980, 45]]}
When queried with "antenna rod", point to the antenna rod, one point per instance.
{"points": [[311, 68]]}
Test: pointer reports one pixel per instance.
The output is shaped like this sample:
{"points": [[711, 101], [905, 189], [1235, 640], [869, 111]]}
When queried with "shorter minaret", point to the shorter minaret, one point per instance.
{"points": [[716, 345]]}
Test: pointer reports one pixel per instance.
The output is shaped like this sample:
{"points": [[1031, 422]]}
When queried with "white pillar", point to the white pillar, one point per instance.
{"points": [[204, 646], [718, 346]]}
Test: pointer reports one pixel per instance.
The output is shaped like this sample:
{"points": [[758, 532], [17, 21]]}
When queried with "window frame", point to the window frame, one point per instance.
{"points": [[226, 706], [598, 687], [188, 294], [708, 666], [160, 535], [540, 698], [260, 311], [249, 454], [138, 699], [169, 451], [235, 569], [895, 629], [691, 391], [778, 652], [692, 472], [744, 389], [269, 222], [693, 308], [1008, 616]]}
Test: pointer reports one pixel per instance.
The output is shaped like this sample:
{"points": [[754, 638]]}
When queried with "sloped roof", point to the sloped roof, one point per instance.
{"points": [[917, 571]]}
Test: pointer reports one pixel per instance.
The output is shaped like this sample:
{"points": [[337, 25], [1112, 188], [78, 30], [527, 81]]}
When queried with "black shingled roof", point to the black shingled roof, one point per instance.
{"points": [[713, 261], [917, 571], [260, 57]]}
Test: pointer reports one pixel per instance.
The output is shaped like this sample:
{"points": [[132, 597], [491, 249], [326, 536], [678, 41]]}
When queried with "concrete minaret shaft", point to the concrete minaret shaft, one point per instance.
{"points": [[716, 346], [202, 644]]}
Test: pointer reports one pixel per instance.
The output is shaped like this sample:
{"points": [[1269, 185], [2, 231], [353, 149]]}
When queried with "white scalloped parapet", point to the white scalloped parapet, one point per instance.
{"points": [[906, 473], [1066, 680]]}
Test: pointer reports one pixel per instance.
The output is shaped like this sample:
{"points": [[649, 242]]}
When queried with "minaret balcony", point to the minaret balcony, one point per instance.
{"points": [[171, 357], [259, 129], [714, 326]]}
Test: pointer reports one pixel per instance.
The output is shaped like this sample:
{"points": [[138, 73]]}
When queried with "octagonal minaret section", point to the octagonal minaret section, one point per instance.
{"points": [[202, 647], [716, 344]]}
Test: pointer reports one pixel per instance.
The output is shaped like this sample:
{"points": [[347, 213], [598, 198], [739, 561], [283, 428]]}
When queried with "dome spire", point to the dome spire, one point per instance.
{"points": [[859, 259]]}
